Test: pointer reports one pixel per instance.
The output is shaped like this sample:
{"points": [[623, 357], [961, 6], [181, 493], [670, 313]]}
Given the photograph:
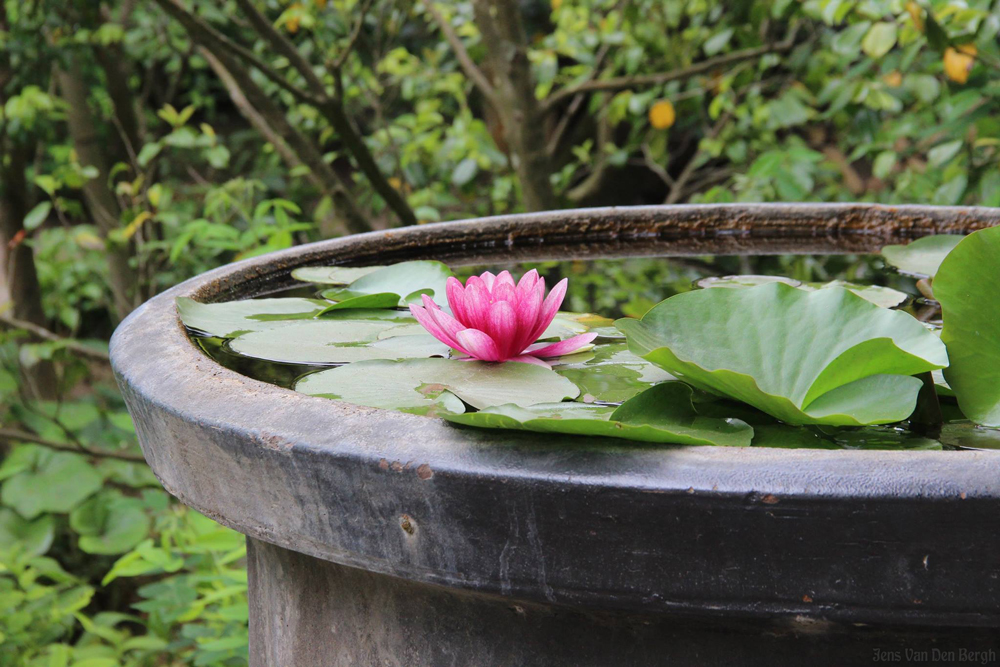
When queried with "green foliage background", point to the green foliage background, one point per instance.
{"points": [[144, 142]]}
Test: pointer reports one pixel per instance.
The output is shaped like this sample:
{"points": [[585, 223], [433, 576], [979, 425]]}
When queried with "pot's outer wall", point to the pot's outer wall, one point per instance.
{"points": [[863, 536]]}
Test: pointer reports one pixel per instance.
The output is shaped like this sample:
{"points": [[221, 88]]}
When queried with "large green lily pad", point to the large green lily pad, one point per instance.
{"points": [[921, 258], [610, 373], [233, 318], [822, 357], [966, 285], [662, 414], [336, 341], [333, 275], [408, 280], [419, 383], [877, 294]]}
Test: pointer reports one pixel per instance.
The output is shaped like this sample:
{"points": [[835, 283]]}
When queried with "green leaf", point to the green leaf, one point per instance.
{"points": [[37, 216], [232, 318], [407, 279], [109, 523], [662, 414], [879, 40], [332, 275], [464, 172], [922, 257], [942, 153], [966, 286], [58, 482], [32, 538], [418, 384], [336, 341], [383, 300], [881, 296], [610, 373], [822, 357]]}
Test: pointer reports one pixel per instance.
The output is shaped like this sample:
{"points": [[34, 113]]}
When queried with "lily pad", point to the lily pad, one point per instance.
{"points": [[419, 383], [966, 287], [408, 280], [923, 257], [232, 318], [822, 357], [885, 297], [610, 373], [662, 414], [336, 341], [333, 275], [366, 301]]}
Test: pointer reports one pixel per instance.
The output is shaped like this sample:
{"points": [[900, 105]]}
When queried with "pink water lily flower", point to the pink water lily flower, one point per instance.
{"points": [[496, 320]]}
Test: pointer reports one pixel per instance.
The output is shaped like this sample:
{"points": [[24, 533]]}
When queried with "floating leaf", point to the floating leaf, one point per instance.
{"points": [[824, 357], [969, 435], [335, 341], [367, 301], [921, 258], [333, 275], [885, 297], [419, 383], [610, 373], [406, 279], [966, 287], [232, 318], [662, 414]]}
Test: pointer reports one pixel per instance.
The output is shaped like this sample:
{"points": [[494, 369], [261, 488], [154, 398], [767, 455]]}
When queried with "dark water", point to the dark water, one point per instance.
{"points": [[629, 287]]}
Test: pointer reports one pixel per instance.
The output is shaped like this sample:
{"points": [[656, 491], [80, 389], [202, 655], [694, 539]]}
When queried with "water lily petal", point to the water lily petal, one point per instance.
{"points": [[528, 359], [550, 307], [504, 279], [562, 347], [477, 304], [427, 321], [503, 328], [488, 278], [479, 345], [456, 297], [528, 281], [528, 308]]}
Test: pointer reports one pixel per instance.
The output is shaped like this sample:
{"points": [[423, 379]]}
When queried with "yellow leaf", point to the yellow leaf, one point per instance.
{"points": [[395, 183], [321, 4], [134, 226], [292, 25], [662, 115], [893, 79], [958, 62], [207, 130], [916, 14], [556, 4], [89, 241]]}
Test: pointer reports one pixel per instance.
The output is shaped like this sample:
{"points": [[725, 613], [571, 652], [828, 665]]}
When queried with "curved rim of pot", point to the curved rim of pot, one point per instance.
{"points": [[864, 536]]}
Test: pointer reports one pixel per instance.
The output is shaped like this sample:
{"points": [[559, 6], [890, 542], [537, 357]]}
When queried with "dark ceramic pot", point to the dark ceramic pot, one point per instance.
{"points": [[380, 538]]}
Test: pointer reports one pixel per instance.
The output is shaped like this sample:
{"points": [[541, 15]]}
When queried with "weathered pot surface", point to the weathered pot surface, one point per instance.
{"points": [[886, 537]]}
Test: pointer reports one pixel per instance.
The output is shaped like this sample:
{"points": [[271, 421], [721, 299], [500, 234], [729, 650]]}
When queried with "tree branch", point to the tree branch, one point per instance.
{"points": [[11, 435], [283, 47], [625, 82], [202, 32], [338, 64], [41, 333], [462, 55]]}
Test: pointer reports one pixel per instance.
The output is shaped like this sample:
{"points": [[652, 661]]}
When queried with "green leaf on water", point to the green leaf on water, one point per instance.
{"points": [[610, 373], [407, 280], [662, 414], [367, 301], [419, 383], [921, 258], [332, 275], [336, 341], [880, 296], [821, 357], [232, 318], [966, 286]]}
